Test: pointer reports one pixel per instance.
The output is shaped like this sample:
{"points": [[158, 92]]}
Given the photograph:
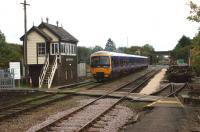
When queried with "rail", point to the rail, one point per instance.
{"points": [[87, 125], [44, 70], [177, 90], [32, 104], [53, 70]]}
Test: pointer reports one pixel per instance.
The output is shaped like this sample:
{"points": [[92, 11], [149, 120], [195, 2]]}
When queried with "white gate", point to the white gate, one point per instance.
{"points": [[7, 79], [82, 70]]}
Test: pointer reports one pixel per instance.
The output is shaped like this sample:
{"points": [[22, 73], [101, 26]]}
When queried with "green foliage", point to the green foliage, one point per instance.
{"points": [[181, 50], [84, 54], [135, 50], [195, 59], [2, 38], [97, 48], [146, 50], [110, 46], [8, 52], [122, 49], [196, 40], [194, 12], [183, 42], [196, 64]]}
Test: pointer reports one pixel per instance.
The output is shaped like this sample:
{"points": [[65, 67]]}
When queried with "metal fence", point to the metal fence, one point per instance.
{"points": [[7, 78]]}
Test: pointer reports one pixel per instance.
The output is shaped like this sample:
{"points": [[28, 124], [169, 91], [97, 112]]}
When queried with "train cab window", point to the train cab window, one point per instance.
{"points": [[100, 61]]}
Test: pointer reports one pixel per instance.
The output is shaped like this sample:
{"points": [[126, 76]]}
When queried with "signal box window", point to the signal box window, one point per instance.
{"points": [[41, 49], [54, 48]]}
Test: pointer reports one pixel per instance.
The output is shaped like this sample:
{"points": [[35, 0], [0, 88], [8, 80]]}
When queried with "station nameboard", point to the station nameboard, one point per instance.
{"points": [[69, 59], [16, 67]]}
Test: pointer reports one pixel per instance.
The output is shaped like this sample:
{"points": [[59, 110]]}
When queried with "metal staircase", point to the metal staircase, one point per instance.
{"points": [[48, 72]]}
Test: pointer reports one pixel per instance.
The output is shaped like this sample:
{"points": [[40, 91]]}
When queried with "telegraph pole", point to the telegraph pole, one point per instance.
{"points": [[25, 39]]}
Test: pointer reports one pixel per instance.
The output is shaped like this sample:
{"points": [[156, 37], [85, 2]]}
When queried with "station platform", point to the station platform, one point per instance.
{"points": [[166, 102]]}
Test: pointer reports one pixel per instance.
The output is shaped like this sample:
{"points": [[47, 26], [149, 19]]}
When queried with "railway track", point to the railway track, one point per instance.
{"points": [[84, 85], [88, 84], [30, 104], [77, 85], [134, 85], [170, 90], [66, 122]]}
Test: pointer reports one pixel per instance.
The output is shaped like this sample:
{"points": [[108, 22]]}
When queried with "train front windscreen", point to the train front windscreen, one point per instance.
{"points": [[100, 61]]}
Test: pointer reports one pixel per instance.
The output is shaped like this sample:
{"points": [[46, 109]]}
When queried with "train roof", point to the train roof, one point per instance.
{"points": [[115, 54]]}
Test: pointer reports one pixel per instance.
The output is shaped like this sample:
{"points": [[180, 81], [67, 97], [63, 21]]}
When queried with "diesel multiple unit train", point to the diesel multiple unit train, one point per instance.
{"points": [[105, 64]]}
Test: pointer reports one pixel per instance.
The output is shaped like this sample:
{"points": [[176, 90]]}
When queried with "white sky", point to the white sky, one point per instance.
{"points": [[160, 23]]}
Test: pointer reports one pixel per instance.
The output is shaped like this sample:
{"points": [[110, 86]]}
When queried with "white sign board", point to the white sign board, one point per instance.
{"points": [[16, 67]]}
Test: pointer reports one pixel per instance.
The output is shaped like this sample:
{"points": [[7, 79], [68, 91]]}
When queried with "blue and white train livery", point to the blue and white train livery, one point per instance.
{"points": [[105, 64]]}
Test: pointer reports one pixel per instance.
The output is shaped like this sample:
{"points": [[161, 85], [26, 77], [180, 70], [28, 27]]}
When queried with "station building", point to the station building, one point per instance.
{"points": [[51, 55]]}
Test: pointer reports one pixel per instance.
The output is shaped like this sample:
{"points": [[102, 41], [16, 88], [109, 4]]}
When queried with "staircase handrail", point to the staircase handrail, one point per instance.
{"points": [[44, 70], [54, 67]]}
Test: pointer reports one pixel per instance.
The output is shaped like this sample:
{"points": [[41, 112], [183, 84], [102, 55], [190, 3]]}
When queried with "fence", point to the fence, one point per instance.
{"points": [[7, 79]]}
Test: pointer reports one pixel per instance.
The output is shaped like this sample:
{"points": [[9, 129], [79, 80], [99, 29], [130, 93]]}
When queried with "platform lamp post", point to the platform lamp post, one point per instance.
{"points": [[25, 69]]}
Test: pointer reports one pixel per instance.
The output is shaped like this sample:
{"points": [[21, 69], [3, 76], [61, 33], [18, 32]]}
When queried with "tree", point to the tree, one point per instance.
{"points": [[8, 52], [97, 48], [136, 50], [122, 50], [194, 12], [147, 50], [84, 54], [183, 42], [195, 54], [2, 38], [110, 45], [181, 50], [195, 47]]}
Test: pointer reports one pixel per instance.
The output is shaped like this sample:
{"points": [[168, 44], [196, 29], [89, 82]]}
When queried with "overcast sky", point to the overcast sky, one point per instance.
{"points": [[160, 23]]}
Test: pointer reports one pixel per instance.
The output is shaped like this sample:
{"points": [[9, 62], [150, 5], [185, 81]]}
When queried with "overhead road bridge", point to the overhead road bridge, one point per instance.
{"points": [[163, 53]]}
